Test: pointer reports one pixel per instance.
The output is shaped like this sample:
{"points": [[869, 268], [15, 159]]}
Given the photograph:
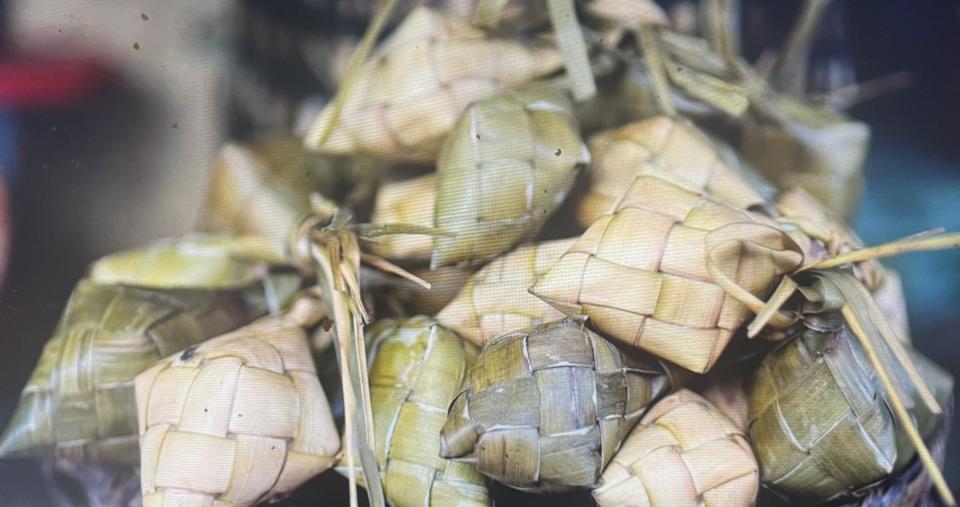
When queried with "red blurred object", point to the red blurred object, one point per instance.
{"points": [[35, 81], [5, 235]]}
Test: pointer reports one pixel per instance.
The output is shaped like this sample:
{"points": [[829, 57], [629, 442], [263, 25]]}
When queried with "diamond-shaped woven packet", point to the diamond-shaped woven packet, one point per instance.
{"points": [[79, 401], [546, 409], [263, 188], [495, 300], [411, 92], [235, 420], [671, 148], [655, 273], [816, 401], [417, 367], [683, 452], [816, 148], [505, 168]]}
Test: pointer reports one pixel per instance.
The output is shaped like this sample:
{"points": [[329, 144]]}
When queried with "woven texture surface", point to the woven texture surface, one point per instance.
{"points": [[189, 261], [406, 202], [817, 149], [263, 189], [495, 300], [506, 167], [412, 90], [545, 410], [827, 235], [234, 421], [818, 420], [683, 452], [671, 148], [79, 401], [641, 274], [417, 368]]}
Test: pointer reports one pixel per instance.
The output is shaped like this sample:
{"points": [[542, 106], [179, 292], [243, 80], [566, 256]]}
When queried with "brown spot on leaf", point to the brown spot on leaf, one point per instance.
{"points": [[326, 323], [558, 152], [136, 46], [144, 17], [175, 125]]}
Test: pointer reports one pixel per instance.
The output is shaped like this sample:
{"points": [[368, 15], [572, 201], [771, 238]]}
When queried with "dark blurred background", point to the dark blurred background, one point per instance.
{"points": [[119, 156]]}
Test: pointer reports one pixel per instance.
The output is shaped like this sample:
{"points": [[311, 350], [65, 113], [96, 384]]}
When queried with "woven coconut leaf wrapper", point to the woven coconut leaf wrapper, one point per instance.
{"points": [[833, 236], [815, 148], [912, 486], [646, 275], [820, 422], [237, 419], [417, 368], [406, 202], [506, 167], [683, 452], [391, 112], [263, 189], [546, 409], [191, 261], [671, 148], [79, 401], [495, 300]]}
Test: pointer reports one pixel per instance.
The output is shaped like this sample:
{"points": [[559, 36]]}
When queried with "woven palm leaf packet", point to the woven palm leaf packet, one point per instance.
{"points": [[512, 253]]}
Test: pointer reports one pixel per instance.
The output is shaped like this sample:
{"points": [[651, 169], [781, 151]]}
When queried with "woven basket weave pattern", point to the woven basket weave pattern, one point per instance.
{"points": [[819, 150], [392, 112], [258, 193], [807, 452], [79, 401], [417, 369], [670, 148], [549, 408], [683, 452], [640, 274], [235, 421], [506, 167], [495, 300]]}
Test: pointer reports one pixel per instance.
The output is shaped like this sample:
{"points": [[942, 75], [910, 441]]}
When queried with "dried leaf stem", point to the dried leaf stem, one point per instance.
{"points": [[563, 17], [901, 412]]}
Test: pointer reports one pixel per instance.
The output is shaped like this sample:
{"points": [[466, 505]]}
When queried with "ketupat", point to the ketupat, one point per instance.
{"points": [[806, 453], [649, 274], [683, 452], [191, 261], [392, 112], [505, 168], [79, 401], [495, 300], [671, 148], [237, 419], [263, 189], [814, 147], [406, 202], [546, 409], [416, 369]]}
